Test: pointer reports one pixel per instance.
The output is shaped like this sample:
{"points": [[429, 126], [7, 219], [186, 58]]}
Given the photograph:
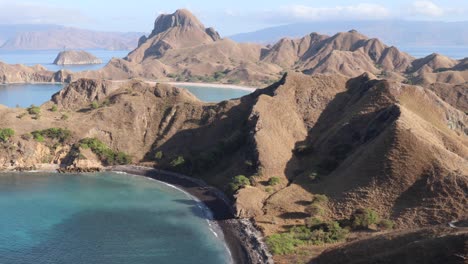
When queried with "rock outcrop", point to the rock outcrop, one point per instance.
{"points": [[18, 73], [76, 57]]}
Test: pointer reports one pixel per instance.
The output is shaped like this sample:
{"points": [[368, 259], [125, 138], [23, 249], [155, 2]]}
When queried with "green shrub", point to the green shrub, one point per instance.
{"points": [[311, 222], [105, 154], [122, 158], [53, 108], [317, 234], [315, 210], [238, 182], [6, 134], [64, 117], [33, 110], [179, 161], [281, 244], [94, 105], [59, 134], [39, 138], [273, 181], [159, 155], [364, 218], [386, 224], [320, 199]]}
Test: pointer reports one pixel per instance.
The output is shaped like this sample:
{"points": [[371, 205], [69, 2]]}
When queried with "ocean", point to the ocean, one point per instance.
{"points": [[103, 218]]}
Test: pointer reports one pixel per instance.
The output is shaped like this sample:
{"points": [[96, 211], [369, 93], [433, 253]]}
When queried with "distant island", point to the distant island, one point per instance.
{"points": [[76, 57]]}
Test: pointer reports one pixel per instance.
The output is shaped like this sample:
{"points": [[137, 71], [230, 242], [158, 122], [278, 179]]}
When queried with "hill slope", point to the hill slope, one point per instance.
{"points": [[397, 149]]}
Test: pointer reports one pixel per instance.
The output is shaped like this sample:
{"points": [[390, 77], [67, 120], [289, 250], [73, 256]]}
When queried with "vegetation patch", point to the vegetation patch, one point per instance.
{"points": [[159, 155], [96, 104], [238, 182], [364, 218], [316, 234], [33, 110], [6, 134], [105, 154], [282, 244], [179, 161], [59, 134], [273, 181]]}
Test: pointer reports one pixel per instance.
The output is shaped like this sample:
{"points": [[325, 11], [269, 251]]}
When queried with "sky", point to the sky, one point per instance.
{"points": [[228, 17]]}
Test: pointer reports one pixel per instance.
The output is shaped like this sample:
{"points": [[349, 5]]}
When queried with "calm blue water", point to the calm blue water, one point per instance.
{"points": [[24, 95], [102, 218], [47, 57]]}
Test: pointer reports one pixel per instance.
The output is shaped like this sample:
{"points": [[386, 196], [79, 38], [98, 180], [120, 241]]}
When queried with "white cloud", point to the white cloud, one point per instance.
{"points": [[361, 11], [426, 8], [17, 12]]}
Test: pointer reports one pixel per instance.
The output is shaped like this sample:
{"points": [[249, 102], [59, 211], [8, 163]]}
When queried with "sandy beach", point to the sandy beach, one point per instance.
{"points": [[212, 85], [243, 239]]}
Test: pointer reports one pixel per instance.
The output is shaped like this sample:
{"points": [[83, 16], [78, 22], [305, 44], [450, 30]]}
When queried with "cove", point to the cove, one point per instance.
{"points": [[103, 218], [23, 95]]}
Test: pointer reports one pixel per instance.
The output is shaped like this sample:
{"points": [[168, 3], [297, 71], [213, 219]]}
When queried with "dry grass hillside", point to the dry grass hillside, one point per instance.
{"points": [[314, 150], [181, 48]]}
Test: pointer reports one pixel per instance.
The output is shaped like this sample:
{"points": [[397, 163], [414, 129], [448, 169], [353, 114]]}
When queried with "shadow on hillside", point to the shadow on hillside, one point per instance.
{"points": [[350, 121]]}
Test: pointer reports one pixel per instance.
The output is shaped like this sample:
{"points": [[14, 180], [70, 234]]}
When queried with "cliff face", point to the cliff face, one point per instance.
{"points": [[24, 74], [76, 57]]}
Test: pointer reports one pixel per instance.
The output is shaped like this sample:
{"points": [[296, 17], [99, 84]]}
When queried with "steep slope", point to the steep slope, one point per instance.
{"points": [[397, 149], [431, 245], [349, 53], [172, 31]]}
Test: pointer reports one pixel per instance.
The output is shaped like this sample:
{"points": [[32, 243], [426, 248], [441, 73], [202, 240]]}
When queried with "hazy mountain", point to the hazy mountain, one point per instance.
{"points": [[9, 31], [45, 37], [427, 33]]}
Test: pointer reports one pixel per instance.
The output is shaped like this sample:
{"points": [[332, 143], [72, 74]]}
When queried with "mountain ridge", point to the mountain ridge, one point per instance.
{"points": [[58, 37]]}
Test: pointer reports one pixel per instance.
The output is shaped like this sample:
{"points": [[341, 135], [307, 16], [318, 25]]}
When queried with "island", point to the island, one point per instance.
{"points": [[76, 57]]}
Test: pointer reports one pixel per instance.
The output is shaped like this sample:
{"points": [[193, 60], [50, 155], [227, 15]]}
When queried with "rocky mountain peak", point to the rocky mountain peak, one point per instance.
{"points": [[180, 18]]}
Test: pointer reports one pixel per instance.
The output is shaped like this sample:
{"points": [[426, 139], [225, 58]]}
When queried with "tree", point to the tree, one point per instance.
{"points": [[6, 134], [239, 182], [364, 218], [273, 181]]}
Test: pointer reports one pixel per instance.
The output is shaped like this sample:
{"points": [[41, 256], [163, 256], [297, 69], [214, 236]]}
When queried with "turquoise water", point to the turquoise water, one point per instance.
{"points": [[24, 95], [102, 218], [214, 95], [47, 57]]}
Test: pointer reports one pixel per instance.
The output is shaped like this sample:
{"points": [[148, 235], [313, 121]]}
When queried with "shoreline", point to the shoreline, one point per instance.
{"points": [[213, 85], [242, 238], [244, 241]]}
